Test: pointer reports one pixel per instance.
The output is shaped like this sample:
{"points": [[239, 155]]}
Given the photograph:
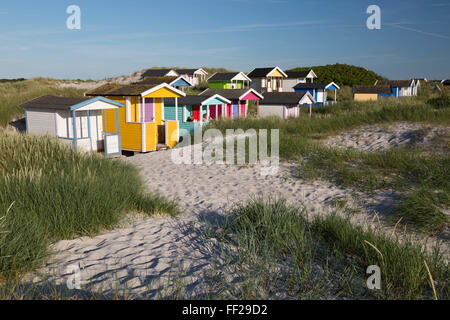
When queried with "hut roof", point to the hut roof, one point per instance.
{"points": [[223, 76], [299, 74], [53, 102], [64, 103], [284, 98], [156, 73], [121, 90], [231, 94], [395, 83], [157, 80], [372, 89]]}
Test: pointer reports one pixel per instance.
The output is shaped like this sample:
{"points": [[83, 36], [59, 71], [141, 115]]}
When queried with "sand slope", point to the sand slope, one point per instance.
{"points": [[383, 137]]}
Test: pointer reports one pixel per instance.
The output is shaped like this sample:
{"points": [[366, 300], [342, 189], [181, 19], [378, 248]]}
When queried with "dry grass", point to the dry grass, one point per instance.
{"points": [[12, 94]]}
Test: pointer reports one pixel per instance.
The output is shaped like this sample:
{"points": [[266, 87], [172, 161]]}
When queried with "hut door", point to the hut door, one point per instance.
{"points": [[243, 109], [229, 110], [292, 112], [212, 112], [320, 96], [112, 141], [235, 110], [162, 132], [196, 113], [112, 144], [219, 111], [148, 112]]}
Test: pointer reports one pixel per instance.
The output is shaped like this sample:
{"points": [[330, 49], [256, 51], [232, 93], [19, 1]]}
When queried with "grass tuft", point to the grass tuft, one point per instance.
{"points": [[419, 209]]}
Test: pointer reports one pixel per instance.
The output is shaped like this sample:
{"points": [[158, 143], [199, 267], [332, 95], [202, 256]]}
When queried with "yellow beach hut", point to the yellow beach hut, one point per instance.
{"points": [[141, 122], [370, 93]]}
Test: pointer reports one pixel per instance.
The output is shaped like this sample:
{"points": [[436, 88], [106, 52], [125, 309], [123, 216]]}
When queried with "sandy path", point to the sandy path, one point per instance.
{"points": [[142, 255]]}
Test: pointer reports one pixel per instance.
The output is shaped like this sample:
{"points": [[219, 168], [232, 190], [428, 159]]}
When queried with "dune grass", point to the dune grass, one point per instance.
{"points": [[274, 245], [440, 102], [393, 168], [404, 273], [49, 192], [12, 94], [404, 170], [318, 252], [422, 209]]}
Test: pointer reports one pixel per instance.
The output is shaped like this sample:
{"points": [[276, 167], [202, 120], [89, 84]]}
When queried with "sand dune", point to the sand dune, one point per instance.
{"points": [[382, 137], [142, 255], [89, 85]]}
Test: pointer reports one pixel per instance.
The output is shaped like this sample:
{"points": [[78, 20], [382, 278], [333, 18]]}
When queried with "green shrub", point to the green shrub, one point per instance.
{"points": [[343, 74]]}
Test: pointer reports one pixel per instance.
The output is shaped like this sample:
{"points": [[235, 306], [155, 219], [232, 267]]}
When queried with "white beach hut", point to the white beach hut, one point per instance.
{"points": [[79, 121], [284, 104]]}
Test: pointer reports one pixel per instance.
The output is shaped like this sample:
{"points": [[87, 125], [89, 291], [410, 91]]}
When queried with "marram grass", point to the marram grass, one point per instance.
{"points": [[318, 252], [12, 94], [49, 192]]}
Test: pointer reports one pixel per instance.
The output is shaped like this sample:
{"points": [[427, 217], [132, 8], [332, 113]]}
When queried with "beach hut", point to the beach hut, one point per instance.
{"points": [[436, 88], [78, 121], [194, 76], [159, 73], [142, 123], [318, 90], [284, 104], [195, 111], [371, 93], [417, 85], [229, 80], [267, 79], [295, 77], [178, 82], [238, 108], [400, 88]]}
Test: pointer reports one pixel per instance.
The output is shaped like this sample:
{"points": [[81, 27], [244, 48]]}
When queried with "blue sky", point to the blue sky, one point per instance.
{"points": [[121, 37]]}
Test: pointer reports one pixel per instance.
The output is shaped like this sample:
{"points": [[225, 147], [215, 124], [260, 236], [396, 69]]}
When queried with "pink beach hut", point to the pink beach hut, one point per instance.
{"points": [[240, 99]]}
